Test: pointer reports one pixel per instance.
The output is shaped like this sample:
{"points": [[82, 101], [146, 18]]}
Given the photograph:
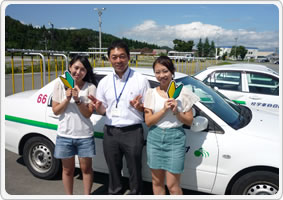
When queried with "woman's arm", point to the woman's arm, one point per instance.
{"points": [[152, 119], [86, 109], [185, 117], [59, 108]]}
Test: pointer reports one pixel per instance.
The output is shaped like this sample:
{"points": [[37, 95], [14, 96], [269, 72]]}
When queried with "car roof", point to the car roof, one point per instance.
{"points": [[148, 72], [244, 67]]}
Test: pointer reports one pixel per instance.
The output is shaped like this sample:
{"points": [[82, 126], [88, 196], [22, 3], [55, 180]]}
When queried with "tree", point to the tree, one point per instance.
{"points": [[242, 52], [212, 49], [206, 48], [224, 56], [237, 51], [20, 36], [200, 48], [180, 45]]}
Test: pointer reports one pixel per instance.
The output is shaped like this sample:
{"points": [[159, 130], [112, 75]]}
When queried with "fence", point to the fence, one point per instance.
{"points": [[44, 65]]}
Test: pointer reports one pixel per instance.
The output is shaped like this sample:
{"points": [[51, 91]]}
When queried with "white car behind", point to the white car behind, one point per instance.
{"points": [[255, 86]]}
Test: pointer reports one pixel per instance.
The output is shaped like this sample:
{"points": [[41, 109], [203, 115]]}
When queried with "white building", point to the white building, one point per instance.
{"points": [[251, 54]]}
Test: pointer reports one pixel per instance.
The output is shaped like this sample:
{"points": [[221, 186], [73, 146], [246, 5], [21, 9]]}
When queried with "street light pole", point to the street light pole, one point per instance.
{"points": [[99, 14], [236, 49]]}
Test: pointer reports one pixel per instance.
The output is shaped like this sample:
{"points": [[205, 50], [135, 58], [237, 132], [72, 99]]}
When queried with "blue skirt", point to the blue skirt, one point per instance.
{"points": [[166, 149]]}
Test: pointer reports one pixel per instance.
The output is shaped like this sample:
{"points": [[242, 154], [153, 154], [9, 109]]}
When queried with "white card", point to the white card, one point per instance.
{"points": [[115, 112]]}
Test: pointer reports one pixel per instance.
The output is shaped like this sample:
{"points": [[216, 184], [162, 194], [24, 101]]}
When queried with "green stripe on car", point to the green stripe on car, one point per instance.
{"points": [[239, 102], [41, 124]]}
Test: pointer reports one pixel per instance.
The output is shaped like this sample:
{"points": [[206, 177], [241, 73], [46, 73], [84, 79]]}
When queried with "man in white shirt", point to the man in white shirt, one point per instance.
{"points": [[120, 96]]}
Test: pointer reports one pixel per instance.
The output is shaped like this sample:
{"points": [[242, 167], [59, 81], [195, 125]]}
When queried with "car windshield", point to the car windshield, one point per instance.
{"points": [[224, 108]]}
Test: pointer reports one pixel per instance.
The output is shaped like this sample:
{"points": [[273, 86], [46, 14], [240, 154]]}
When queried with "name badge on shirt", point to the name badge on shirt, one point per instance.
{"points": [[115, 112]]}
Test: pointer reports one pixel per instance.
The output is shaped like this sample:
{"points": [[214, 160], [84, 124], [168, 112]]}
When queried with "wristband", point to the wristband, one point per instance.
{"points": [[78, 102]]}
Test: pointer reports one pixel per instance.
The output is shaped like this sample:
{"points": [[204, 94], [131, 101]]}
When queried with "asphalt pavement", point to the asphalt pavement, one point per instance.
{"points": [[19, 181]]}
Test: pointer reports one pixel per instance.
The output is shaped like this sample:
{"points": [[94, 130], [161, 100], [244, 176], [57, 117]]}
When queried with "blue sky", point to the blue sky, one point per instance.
{"points": [[254, 25]]}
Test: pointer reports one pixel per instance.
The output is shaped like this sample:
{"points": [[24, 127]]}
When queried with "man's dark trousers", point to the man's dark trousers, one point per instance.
{"points": [[125, 141]]}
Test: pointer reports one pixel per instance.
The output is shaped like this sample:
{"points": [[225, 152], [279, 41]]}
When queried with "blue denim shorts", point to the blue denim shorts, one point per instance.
{"points": [[69, 147]]}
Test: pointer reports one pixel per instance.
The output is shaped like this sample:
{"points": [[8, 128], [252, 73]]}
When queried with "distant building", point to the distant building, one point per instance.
{"points": [[251, 54], [269, 55], [159, 51]]}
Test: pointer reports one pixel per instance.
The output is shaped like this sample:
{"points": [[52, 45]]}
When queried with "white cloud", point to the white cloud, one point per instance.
{"points": [[163, 35]]}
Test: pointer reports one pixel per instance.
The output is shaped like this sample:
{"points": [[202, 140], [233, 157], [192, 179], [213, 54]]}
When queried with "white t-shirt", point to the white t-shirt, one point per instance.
{"points": [[125, 115], [155, 102], [72, 123]]}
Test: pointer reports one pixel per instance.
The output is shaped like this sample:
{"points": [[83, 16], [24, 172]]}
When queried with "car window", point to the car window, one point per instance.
{"points": [[263, 83], [153, 84], [98, 77], [227, 111], [225, 80]]}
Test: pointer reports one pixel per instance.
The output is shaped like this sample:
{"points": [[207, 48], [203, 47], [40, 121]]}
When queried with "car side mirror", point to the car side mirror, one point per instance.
{"points": [[199, 124]]}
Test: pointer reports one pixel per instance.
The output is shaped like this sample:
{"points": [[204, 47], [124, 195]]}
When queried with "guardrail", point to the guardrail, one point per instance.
{"points": [[45, 71], [42, 66]]}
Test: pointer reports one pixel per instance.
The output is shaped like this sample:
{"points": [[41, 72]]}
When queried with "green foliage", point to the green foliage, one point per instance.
{"points": [[242, 52], [212, 49], [205, 49], [20, 36], [200, 48], [224, 63], [237, 51], [183, 46], [224, 56]]}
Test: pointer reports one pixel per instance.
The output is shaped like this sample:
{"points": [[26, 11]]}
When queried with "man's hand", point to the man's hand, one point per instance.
{"points": [[97, 105], [136, 103], [95, 102]]}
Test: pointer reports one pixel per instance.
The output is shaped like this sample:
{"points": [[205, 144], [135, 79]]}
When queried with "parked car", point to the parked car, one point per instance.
{"points": [[276, 62], [255, 86], [263, 60], [229, 149]]}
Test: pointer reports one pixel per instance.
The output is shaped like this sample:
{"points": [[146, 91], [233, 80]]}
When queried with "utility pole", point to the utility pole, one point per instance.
{"points": [[52, 27], [99, 14]]}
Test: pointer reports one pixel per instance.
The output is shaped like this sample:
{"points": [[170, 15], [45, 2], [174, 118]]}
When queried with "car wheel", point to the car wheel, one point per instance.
{"points": [[39, 159], [256, 183]]}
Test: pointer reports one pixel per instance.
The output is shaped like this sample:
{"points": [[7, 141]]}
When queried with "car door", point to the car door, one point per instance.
{"points": [[263, 91], [201, 156]]}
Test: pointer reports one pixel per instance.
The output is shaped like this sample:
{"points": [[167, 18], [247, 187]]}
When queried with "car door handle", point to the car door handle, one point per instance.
{"points": [[255, 97]]}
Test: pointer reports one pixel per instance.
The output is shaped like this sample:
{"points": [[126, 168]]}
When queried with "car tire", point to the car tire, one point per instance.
{"points": [[256, 183], [39, 159]]}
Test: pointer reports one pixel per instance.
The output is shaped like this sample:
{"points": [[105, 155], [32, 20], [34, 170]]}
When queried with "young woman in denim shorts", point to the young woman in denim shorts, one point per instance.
{"points": [[75, 130], [166, 138]]}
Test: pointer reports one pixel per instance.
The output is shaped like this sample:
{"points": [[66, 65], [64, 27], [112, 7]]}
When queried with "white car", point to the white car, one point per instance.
{"points": [[255, 86], [230, 150]]}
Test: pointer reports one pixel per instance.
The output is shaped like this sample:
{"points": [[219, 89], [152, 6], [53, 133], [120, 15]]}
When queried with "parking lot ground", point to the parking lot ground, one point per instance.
{"points": [[19, 181]]}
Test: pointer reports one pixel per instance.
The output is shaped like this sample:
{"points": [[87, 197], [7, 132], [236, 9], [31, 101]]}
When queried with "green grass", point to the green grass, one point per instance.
{"points": [[224, 63]]}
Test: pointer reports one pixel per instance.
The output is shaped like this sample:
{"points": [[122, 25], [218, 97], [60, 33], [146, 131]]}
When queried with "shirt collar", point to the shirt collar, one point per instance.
{"points": [[125, 75]]}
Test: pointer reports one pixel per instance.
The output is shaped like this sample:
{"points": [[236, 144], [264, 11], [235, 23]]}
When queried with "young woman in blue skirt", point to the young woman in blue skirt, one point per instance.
{"points": [[166, 138]]}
